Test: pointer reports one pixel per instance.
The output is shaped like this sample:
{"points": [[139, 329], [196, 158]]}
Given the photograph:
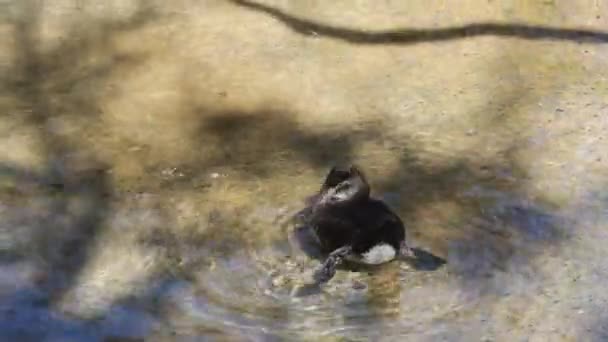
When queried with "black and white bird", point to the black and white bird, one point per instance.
{"points": [[350, 225]]}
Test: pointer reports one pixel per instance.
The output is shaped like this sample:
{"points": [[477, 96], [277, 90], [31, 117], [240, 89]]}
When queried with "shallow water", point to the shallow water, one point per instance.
{"points": [[153, 152]]}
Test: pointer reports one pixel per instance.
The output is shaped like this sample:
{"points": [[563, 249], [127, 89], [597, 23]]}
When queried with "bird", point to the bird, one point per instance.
{"points": [[351, 225]]}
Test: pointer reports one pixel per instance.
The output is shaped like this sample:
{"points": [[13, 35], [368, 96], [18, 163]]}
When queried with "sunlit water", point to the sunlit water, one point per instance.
{"points": [[153, 154]]}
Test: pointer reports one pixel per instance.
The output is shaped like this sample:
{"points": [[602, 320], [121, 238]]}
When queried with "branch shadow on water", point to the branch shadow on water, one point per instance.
{"points": [[251, 138], [496, 227], [54, 214], [52, 226], [413, 36], [40, 81]]}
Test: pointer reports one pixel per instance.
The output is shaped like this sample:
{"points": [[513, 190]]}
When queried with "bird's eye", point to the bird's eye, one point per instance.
{"points": [[343, 186]]}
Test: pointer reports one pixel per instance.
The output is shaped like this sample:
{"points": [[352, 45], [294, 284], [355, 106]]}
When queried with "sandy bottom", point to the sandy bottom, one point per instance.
{"points": [[151, 153]]}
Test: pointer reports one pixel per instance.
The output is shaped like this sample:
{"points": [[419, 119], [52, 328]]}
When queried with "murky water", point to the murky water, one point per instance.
{"points": [[152, 153]]}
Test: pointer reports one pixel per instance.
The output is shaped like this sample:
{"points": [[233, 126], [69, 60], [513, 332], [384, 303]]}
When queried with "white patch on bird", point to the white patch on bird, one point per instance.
{"points": [[378, 254]]}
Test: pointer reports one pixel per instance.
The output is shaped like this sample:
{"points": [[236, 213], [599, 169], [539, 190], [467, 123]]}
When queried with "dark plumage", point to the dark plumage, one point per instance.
{"points": [[349, 224]]}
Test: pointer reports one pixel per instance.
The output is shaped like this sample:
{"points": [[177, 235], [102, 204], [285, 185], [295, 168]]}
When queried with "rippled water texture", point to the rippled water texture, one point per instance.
{"points": [[152, 152]]}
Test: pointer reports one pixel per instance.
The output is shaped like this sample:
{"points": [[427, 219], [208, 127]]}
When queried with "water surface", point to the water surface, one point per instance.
{"points": [[153, 152]]}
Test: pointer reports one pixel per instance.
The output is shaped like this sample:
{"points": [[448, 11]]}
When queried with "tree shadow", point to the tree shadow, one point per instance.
{"points": [[496, 228], [251, 139], [598, 329], [413, 36], [55, 215]]}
